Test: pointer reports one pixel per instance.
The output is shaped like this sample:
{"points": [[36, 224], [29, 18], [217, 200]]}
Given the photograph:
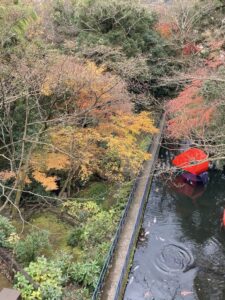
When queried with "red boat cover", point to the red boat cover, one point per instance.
{"points": [[194, 161]]}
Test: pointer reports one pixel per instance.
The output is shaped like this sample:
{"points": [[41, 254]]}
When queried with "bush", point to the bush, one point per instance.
{"points": [[81, 294], [81, 211], [6, 231], [45, 273], [98, 253], [100, 228], [63, 262], [86, 274], [123, 23], [74, 237], [33, 246]]}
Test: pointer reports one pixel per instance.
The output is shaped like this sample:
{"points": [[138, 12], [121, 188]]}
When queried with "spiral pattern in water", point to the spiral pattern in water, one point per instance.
{"points": [[174, 258]]}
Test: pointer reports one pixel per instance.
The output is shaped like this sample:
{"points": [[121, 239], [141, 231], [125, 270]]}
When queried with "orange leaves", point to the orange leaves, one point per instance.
{"points": [[165, 29], [110, 149], [100, 134], [6, 175], [123, 155], [48, 182], [85, 88], [50, 161]]}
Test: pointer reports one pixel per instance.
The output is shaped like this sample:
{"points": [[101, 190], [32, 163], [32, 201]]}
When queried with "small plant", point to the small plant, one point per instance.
{"points": [[7, 231], [33, 246], [81, 294], [47, 275], [85, 273], [74, 237], [63, 262], [99, 229]]}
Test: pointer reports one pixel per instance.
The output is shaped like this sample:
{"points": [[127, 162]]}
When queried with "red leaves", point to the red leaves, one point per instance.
{"points": [[190, 49], [188, 111]]}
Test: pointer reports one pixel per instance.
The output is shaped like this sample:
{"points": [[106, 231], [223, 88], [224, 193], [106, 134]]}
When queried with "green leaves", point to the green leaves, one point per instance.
{"points": [[6, 230], [35, 243], [85, 273], [47, 275], [14, 21]]}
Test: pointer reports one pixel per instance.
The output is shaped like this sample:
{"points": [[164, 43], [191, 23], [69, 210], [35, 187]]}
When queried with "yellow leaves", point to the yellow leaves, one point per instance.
{"points": [[48, 182], [49, 161], [136, 124], [46, 88], [85, 87], [13, 238], [43, 163], [57, 161], [109, 146], [110, 149], [94, 69]]}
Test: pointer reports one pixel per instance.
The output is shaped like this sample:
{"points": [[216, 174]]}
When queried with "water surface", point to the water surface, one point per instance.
{"points": [[181, 248]]}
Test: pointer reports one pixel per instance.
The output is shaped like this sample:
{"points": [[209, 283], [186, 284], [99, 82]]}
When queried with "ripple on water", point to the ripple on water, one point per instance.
{"points": [[174, 258]]}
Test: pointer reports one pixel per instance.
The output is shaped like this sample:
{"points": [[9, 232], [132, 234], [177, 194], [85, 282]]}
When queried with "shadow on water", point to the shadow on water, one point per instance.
{"points": [[181, 251]]}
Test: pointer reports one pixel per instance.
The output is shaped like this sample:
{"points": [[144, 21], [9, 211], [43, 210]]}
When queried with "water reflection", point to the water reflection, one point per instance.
{"points": [[183, 256]]}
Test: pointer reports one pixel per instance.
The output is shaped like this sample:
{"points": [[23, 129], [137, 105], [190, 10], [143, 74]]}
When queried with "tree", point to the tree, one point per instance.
{"points": [[63, 106], [122, 36]]}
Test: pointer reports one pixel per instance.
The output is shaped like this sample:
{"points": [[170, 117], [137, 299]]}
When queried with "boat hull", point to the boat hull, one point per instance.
{"points": [[192, 179]]}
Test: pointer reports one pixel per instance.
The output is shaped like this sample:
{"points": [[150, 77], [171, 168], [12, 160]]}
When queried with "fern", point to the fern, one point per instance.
{"points": [[13, 29]]}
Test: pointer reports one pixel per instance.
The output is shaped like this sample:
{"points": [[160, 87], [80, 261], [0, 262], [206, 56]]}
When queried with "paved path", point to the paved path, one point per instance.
{"points": [[119, 257]]}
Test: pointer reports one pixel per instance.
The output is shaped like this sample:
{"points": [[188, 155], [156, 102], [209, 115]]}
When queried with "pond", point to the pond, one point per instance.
{"points": [[181, 248]]}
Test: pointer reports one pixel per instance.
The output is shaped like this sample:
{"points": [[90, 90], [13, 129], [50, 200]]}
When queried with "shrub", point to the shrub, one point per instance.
{"points": [[47, 275], [33, 246], [82, 211], [85, 273], [6, 231], [74, 237], [98, 253], [119, 23], [81, 294], [98, 229], [63, 262]]}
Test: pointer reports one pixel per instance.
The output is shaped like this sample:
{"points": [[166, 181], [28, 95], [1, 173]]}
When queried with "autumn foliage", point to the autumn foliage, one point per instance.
{"points": [[92, 132], [166, 29], [109, 150], [190, 113]]}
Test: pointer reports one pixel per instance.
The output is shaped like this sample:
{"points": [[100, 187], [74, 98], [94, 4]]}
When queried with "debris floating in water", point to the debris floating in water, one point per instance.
{"points": [[147, 294], [147, 233], [155, 220], [137, 267], [131, 280], [161, 239], [186, 293]]}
